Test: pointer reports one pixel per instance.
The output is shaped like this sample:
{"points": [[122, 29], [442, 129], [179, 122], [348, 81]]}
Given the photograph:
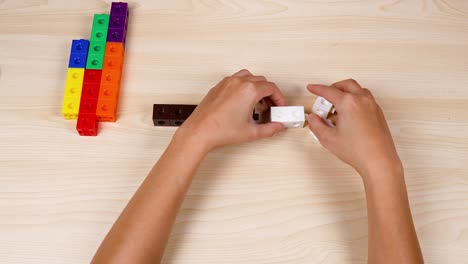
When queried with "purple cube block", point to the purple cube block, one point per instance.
{"points": [[117, 21], [116, 35], [119, 8]]}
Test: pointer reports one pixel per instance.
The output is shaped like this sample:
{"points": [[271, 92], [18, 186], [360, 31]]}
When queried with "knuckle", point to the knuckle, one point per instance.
{"points": [[352, 81]]}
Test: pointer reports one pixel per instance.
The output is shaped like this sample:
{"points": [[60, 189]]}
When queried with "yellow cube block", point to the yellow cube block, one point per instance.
{"points": [[75, 76], [71, 107], [72, 94]]}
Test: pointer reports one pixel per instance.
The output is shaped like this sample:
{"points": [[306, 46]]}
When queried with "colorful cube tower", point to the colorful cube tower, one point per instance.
{"points": [[95, 68]]}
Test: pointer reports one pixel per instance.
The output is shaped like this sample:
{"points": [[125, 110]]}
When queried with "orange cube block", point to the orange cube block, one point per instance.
{"points": [[110, 77], [107, 110], [115, 49]]}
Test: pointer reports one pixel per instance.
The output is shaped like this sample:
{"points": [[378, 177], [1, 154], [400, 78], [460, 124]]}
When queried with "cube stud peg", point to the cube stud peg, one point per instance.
{"points": [[289, 116]]}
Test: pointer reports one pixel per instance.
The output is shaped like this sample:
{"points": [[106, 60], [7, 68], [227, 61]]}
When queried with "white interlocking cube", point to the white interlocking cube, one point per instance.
{"points": [[289, 116], [322, 107]]}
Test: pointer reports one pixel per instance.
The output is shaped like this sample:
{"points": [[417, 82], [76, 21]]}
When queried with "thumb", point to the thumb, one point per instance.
{"points": [[266, 130], [318, 126]]}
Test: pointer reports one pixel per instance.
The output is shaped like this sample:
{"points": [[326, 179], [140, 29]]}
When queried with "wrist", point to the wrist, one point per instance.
{"points": [[191, 141], [382, 171]]}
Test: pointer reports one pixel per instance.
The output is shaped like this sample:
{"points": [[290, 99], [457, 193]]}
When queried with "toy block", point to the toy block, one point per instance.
{"points": [[118, 21], [109, 92], [79, 46], [95, 61], [75, 77], [92, 76], [90, 90], [78, 53], [97, 47], [114, 49], [100, 27], [119, 8], [77, 60], [171, 115], [101, 20], [70, 107], [88, 105], [87, 125], [73, 90], [289, 116], [99, 34], [113, 63], [323, 108], [111, 77], [116, 35], [107, 110]]}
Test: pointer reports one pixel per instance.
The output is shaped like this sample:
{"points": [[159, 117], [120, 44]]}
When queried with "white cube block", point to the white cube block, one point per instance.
{"points": [[322, 107], [289, 116]]}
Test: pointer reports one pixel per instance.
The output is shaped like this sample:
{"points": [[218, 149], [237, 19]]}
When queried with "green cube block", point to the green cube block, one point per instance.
{"points": [[95, 61], [97, 47], [100, 27]]}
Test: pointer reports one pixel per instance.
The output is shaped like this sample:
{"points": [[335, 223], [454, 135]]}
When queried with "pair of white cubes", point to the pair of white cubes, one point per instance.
{"points": [[294, 116]]}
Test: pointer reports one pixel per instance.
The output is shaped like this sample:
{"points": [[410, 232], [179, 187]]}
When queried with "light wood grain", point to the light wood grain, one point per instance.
{"points": [[281, 200]]}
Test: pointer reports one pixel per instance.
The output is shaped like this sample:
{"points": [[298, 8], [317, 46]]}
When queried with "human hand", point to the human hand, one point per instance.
{"points": [[225, 115], [361, 137]]}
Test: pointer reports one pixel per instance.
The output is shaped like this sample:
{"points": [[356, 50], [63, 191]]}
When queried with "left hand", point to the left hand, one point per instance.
{"points": [[224, 116]]}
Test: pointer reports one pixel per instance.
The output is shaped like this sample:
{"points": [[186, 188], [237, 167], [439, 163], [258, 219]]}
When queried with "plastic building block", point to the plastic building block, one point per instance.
{"points": [[289, 116], [100, 27], [73, 90], [323, 108], [95, 61], [109, 92], [116, 35], [114, 49], [110, 77], [113, 63], [107, 110], [92, 76], [99, 34], [97, 47], [88, 105], [171, 115], [119, 8], [75, 77], [90, 90], [117, 21], [79, 46], [77, 61], [101, 21], [87, 125], [72, 94], [71, 107], [78, 53]]}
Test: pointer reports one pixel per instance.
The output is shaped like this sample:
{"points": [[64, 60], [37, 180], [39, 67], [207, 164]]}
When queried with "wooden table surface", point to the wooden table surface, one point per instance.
{"points": [[281, 200]]}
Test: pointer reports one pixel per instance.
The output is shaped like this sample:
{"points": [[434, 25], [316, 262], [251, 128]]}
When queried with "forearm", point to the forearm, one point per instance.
{"points": [[142, 230], [392, 237]]}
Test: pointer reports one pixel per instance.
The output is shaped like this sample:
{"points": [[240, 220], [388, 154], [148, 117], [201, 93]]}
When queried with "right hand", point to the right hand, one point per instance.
{"points": [[361, 137]]}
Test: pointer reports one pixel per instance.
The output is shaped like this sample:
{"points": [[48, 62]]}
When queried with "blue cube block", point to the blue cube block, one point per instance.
{"points": [[77, 60], [79, 46]]}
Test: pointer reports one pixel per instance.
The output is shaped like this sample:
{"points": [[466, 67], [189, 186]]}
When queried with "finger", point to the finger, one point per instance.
{"points": [[332, 94], [256, 78], [321, 130], [269, 89], [266, 130], [242, 73], [349, 86]]}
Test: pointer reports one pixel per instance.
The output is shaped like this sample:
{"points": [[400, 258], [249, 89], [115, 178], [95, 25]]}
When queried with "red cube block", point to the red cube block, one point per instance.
{"points": [[87, 125]]}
